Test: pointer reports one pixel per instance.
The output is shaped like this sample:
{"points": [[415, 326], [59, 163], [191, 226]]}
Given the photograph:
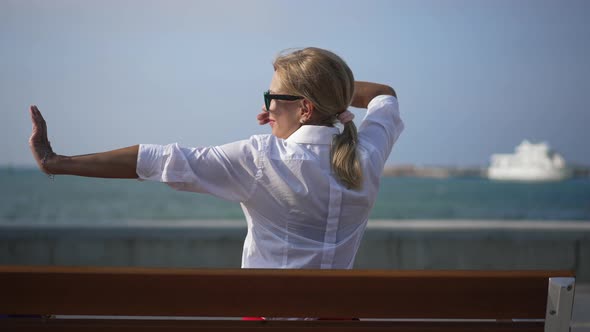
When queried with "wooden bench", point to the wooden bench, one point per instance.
{"points": [[408, 300]]}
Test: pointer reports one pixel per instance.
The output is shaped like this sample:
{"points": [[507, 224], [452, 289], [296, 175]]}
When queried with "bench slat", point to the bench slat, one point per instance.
{"points": [[107, 325], [274, 293]]}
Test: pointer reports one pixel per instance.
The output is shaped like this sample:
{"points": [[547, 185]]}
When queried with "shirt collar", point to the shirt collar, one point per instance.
{"points": [[309, 134]]}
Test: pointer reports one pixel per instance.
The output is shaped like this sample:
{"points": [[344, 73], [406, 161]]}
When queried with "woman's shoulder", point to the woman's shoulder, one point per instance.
{"points": [[255, 145]]}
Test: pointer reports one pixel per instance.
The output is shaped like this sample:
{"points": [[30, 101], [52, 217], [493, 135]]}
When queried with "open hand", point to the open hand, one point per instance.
{"points": [[262, 117], [38, 142]]}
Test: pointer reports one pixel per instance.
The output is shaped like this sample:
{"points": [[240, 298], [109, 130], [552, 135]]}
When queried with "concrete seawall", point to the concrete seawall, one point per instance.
{"points": [[409, 244]]}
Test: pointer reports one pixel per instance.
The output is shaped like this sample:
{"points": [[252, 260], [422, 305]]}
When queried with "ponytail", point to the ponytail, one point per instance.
{"points": [[323, 78], [345, 159]]}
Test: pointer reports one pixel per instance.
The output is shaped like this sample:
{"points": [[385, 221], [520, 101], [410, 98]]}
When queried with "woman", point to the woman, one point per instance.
{"points": [[306, 190]]}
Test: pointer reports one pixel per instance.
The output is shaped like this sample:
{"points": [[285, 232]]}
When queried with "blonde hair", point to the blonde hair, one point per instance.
{"points": [[324, 79]]}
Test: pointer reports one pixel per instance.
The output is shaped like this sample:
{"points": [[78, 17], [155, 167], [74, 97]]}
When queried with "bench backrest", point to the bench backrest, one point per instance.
{"points": [[275, 293], [498, 297]]}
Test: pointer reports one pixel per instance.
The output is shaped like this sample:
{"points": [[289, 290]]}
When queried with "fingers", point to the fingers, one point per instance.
{"points": [[43, 125], [40, 121], [34, 116], [38, 142], [31, 113], [39, 130], [262, 118], [34, 120]]}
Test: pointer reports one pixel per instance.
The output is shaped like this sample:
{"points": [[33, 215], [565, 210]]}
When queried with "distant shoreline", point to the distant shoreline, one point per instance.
{"points": [[443, 172]]}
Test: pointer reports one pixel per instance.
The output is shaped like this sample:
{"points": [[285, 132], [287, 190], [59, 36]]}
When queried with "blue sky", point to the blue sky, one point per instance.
{"points": [[473, 77]]}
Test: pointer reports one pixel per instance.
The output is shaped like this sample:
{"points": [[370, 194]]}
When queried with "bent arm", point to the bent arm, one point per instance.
{"points": [[121, 163], [364, 92]]}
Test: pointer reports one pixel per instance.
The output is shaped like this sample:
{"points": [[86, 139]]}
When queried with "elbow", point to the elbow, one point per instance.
{"points": [[387, 90]]}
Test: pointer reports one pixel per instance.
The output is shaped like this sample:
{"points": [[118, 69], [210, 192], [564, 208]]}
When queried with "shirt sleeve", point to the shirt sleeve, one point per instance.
{"points": [[227, 171], [381, 126]]}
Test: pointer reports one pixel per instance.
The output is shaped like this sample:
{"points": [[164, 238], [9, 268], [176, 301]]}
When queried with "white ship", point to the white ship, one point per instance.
{"points": [[530, 162]]}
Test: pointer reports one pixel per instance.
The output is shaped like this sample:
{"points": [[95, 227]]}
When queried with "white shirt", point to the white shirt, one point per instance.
{"points": [[298, 214]]}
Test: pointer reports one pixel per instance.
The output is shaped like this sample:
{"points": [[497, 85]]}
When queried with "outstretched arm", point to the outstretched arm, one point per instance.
{"points": [[364, 92], [120, 163]]}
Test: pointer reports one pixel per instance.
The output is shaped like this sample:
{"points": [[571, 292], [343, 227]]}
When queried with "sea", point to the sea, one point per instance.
{"points": [[28, 196]]}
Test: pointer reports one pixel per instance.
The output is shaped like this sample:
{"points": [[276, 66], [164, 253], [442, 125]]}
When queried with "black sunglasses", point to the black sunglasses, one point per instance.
{"points": [[269, 96]]}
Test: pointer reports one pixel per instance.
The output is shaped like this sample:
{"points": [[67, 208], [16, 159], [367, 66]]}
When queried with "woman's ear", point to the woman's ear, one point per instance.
{"points": [[307, 109]]}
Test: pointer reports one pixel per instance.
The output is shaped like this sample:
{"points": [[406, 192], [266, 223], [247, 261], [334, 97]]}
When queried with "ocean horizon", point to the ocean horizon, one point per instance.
{"points": [[30, 197]]}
